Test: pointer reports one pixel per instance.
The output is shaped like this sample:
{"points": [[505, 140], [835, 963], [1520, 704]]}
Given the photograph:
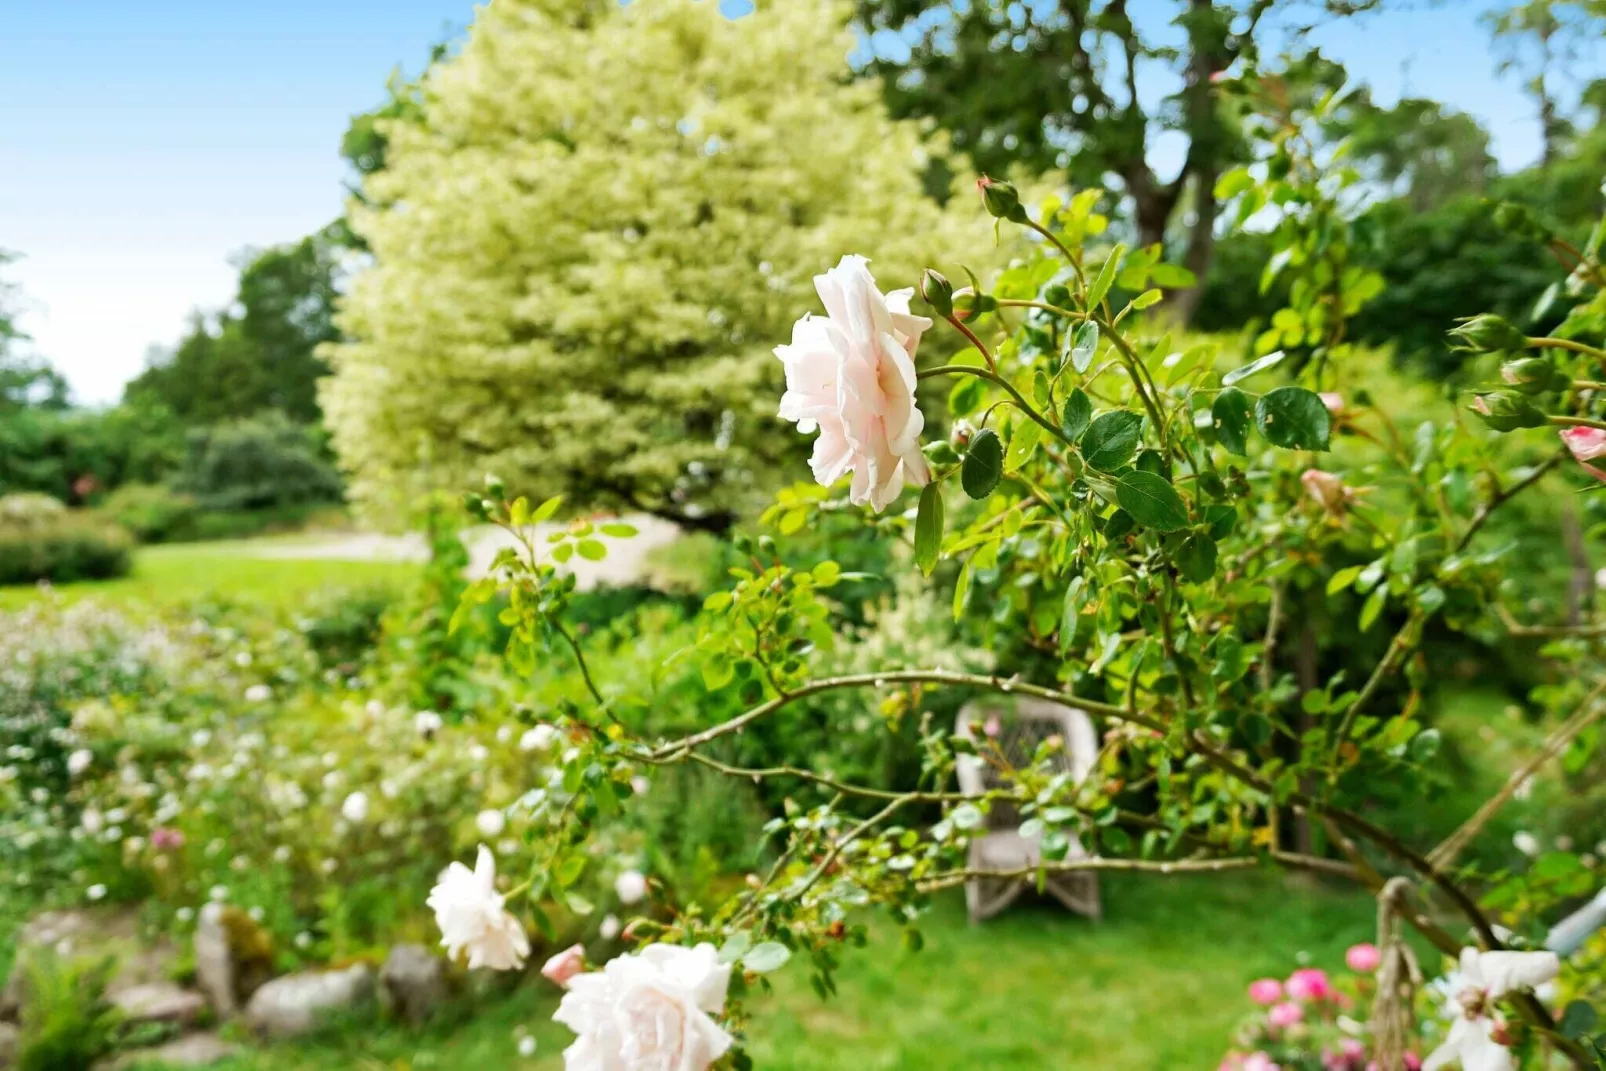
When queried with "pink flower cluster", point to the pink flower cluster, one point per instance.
{"points": [[1304, 1022]]}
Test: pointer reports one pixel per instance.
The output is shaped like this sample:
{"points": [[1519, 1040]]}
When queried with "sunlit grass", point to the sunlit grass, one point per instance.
{"points": [[182, 572]]}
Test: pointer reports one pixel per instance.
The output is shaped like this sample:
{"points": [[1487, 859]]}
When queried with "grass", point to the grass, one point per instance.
{"points": [[1159, 983], [181, 572]]}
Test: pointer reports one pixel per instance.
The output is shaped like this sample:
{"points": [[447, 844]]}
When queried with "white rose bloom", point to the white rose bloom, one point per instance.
{"points": [[427, 723], [527, 1046], [630, 886], [610, 927], [1483, 978], [79, 761], [490, 822], [538, 738], [355, 808], [650, 1011], [469, 912], [96, 892], [478, 753], [258, 693], [1527, 843], [852, 376], [92, 821]]}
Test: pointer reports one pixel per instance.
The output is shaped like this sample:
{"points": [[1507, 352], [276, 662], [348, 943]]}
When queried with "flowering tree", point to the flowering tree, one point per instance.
{"points": [[589, 227], [1147, 515]]}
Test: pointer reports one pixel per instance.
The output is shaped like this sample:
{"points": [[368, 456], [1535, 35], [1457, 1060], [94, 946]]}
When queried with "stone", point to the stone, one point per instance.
{"points": [[233, 957], [191, 1050], [158, 1002], [8, 1044], [295, 1003], [413, 981], [89, 934]]}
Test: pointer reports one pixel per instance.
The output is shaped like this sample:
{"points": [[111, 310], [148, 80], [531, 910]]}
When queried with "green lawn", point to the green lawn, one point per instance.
{"points": [[1158, 984], [179, 572]]}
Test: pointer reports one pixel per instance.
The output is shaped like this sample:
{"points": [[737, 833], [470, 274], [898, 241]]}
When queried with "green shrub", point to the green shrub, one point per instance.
{"points": [[342, 625], [264, 463], [30, 509], [72, 547], [67, 1023], [152, 512]]}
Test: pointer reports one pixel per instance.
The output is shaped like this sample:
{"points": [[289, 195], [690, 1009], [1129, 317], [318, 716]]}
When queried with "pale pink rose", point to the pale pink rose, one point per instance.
{"points": [[1285, 1014], [1259, 1061], [1266, 991], [1363, 958], [166, 839], [1333, 400], [1309, 983], [992, 727], [1587, 444], [851, 374], [565, 965], [1326, 489]]}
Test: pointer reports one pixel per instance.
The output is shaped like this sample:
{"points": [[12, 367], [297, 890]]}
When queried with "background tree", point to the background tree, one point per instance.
{"points": [[261, 353], [1544, 40], [578, 280], [1058, 87]]}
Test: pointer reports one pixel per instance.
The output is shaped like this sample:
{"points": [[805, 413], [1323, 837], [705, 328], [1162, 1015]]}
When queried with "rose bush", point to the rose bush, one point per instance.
{"points": [[1143, 516]]}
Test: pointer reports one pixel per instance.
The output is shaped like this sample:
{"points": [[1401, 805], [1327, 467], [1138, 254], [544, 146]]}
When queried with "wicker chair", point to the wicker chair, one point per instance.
{"points": [[1021, 726]]}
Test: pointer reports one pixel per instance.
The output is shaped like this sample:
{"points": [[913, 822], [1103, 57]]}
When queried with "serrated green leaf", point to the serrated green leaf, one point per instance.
{"points": [[1151, 501], [1078, 414], [768, 956], [1023, 441], [1112, 439], [1196, 558], [1084, 344], [983, 464], [1229, 414], [1294, 418], [966, 396]]}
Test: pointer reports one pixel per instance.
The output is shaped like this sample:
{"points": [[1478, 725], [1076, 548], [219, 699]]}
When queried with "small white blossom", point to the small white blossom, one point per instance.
{"points": [[427, 723], [96, 892], [538, 738], [609, 928], [490, 822], [355, 808], [630, 886], [1527, 843], [527, 1046], [258, 693], [1483, 978], [472, 919], [79, 761]]}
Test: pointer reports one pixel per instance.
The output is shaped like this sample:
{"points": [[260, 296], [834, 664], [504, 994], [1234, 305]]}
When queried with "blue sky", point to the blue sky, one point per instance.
{"points": [[144, 142]]}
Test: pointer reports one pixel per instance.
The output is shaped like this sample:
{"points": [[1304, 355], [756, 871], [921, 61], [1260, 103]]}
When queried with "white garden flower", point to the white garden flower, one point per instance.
{"points": [[538, 738], [92, 821], [490, 822], [851, 374], [469, 912], [478, 753], [258, 693], [96, 892], [527, 1046], [630, 886], [650, 1011], [79, 761], [610, 927], [427, 723], [355, 808], [1526, 843], [1483, 978]]}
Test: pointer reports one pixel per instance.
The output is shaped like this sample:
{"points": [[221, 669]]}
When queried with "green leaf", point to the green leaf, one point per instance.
{"points": [[967, 395], [1106, 277], [983, 465], [1230, 415], [545, 510], [1373, 607], [1084, 344], [735, 948], [1294, 418], [1237, 375], [1196, 558], [1343, 579], [619, 530], [1112, 439], [592, 550], [1022, 444], [1078, 414], [1172, 276], [1151, 501], [1233, 183], [569, 871], [928, 527], [1577, 1020], [768, 956], [1146, 299]]}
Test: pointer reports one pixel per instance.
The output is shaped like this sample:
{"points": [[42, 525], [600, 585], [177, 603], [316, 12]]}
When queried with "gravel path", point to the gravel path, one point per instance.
{"points": [[625, 563]]}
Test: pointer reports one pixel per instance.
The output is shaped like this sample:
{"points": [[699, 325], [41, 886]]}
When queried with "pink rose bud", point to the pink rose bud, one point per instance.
{"points": [[1586, 443], [565, 965], [1266, 991], [1333, 400], [1326, 489], [1363, 958], [1285, 1014], [1309, 983], [992, 727]]}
